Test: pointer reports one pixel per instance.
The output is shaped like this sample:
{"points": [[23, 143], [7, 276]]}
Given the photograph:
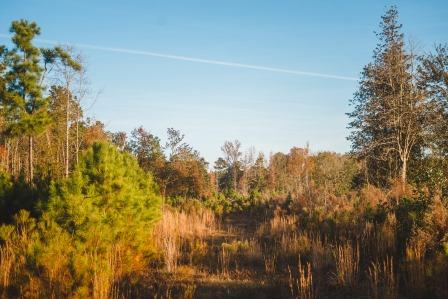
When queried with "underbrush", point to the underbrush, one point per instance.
{"points": [[368, 243]]}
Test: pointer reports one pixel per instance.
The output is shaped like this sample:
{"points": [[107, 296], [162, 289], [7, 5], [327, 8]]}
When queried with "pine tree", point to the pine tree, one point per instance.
{"points": [[24, 70], [108, 197], [433, 79], [389, 110], [24, 104]]}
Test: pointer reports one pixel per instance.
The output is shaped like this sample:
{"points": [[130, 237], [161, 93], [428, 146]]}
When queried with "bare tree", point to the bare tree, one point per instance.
{"points": [[68, 70]]}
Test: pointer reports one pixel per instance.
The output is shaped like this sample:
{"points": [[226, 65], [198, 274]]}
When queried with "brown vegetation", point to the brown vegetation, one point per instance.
{"points": [[81, 212]]}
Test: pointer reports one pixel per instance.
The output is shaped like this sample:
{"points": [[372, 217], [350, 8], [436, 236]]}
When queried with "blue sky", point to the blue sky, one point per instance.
{"points": [[211, 103]]}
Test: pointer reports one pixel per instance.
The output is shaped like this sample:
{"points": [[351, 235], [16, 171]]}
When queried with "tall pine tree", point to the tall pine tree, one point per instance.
{"points": [[24, 104], [389, 110]]}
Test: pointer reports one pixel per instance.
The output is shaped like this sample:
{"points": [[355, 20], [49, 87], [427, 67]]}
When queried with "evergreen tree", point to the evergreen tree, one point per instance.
{"points": [[389, 110], [24, 104], [258, 175], [433, 79], [107, 198], [23, 70]]}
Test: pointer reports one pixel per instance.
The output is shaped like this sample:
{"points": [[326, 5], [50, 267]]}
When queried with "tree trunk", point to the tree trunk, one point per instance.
{"points": [[77, 137], [404, 169], [67, 131], [8, 152], [30, 159]]}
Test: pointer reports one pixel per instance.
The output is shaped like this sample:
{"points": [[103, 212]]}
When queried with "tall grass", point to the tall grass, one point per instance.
{"points": [[302, 287], [179, 232], [6, 263], [382, 279], [347, 258], [270, 262], [414, 268]]}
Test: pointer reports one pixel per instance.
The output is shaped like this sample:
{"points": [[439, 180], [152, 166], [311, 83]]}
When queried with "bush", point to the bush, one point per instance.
{"points": [[16, 194], [108, 197], [95, 229], [410, 216]]}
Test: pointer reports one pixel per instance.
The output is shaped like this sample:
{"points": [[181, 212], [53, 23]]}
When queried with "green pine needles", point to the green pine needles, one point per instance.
{"points": [[107, 196], [94, 231]]}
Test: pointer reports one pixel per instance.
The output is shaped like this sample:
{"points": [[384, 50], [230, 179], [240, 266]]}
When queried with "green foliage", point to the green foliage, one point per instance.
{"points": [[23, 98], [433, 80], [410, 214], [334, 173], [146, 147], [108, 196], [390, 113], [182, 174], [24, 102], [95, 228], [16, 194], [218, 203], [222, 203], [375, 214], [229, 167], [6, 185], [432, 173], [235, 246]]}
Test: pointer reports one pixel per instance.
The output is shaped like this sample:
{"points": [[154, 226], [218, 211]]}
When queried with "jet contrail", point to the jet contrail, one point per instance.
{"points": [[194, 59]]}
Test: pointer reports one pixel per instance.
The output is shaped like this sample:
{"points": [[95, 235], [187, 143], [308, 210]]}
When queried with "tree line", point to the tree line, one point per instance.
{"points": [[398, 124]]}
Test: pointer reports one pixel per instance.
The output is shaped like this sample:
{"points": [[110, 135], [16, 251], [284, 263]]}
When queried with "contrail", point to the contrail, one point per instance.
{"points": [[197, 60]]}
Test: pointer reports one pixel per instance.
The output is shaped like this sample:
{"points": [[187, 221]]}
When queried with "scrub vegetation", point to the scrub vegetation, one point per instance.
{"points": [[87, 213]]}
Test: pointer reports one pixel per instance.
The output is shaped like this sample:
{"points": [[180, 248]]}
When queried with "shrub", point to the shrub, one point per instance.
{"points": [[107, 198], [410, 216], [94, 230]]}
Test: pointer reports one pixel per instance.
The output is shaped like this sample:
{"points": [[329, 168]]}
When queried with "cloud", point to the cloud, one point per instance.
{"points": [[196, 60]]}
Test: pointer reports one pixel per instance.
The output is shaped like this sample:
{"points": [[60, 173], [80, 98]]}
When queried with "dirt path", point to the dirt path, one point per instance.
{"points": [[246, 277]]}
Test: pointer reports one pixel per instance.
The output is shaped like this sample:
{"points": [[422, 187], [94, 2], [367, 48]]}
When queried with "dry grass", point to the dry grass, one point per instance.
{"points": [[196, 223], [182, 233], [195, 252], [382, 279], [294, 243], [302, 286], [347, 260], [6, 263], [270, 263], [320, 253], [224, 261], [378, 241], [278, 225], [106, 274], [414, 264]]}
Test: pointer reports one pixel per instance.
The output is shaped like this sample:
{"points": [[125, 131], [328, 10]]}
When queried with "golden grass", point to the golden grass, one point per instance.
{"points": [[382, 279], [270, 263], [6, 264], [347, 259], [414, 264], [302, 286], [279, 224], [179, 230]]}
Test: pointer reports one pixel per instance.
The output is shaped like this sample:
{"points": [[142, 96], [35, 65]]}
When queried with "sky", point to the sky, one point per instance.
{"points": [[226, 70]]}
